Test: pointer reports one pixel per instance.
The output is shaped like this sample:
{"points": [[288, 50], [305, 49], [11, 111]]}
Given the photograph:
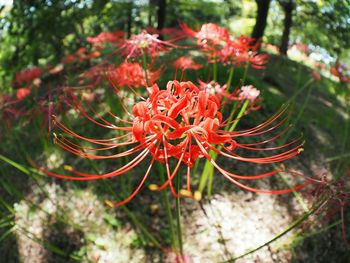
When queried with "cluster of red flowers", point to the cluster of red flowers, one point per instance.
{"points": [[185, 63], [217, 43], [27, 76], [132, 75], [112, 37], [341, 71], [80, 55]]}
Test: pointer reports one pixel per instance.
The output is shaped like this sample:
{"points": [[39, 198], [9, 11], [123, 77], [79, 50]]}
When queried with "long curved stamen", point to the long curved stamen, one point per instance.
{"points": [[106, 142], [86, 177], [171, 177], [188, 174], [117, 91], [261, 132], [92, 156], [268, 148], [262, 125], [270, 139], [78, 106], [110, 113], [231, 176], [85, 148], [141, 183], [261, 160], [112, 126]]}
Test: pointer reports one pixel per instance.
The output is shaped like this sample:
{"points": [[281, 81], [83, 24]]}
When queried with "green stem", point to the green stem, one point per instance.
{"points": [[300, 90], [300, 113], [208, 170], [337, 157], [239, 116], [144, 66], [141, 227], [229, 82], [230, 77], [178, 218], [215, 71], [167, 207], [245, 74]]}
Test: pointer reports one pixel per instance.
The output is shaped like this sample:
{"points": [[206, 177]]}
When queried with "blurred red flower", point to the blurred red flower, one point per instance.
{"points": [[184, 63], [132, 75], [103, 37], [22, 93]]}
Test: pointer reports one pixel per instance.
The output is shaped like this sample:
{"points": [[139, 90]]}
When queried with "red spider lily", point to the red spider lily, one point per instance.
{"points": [[144, 43], [182, 123], [80, 55], [68, 59], [243, 52], [132, 75], [249, 93], [103, 37], [215, 89], [170, 31], [340, 71], [97, 73], [209, 35], [27, 76], [210, 38], [184, 63], [22, 93], [336, 198]]}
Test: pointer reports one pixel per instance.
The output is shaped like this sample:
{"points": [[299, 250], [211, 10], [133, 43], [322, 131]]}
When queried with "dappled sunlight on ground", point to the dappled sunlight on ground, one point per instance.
{"points": [[86, 227], [233, 223]]}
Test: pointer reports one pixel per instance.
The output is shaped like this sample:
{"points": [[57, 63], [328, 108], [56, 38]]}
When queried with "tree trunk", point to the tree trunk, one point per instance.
{"points": [[129, 18], [261, 19], [161, 15], [288, 21], [150, 12]]}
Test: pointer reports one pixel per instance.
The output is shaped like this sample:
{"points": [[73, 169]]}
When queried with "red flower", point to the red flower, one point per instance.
{"points": [[103, 37], [132, 75], [186, 63], [249, 93], [27, 76], [242, 51], [210, 34], [68, 59], [210, 38], [182, 123], [215, 89], [144, 43], [340, 71], [22, 93], [80, 55], [97, 73], [170, 31]]}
